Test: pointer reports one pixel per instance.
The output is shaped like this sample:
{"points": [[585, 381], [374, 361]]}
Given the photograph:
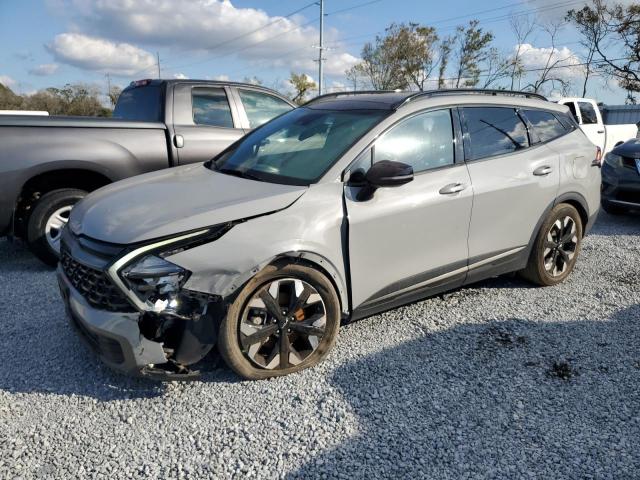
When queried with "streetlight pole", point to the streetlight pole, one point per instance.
{"points": [[321, 47]]}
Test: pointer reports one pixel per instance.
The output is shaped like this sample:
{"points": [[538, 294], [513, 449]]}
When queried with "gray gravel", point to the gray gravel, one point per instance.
{"points": [[495, 381]]}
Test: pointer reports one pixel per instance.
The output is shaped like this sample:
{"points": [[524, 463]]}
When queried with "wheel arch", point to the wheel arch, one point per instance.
{"points": [[579, 203]]}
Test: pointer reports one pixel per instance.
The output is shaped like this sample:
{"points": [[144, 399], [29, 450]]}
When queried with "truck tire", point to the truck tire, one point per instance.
{"points": [[49, 215]]}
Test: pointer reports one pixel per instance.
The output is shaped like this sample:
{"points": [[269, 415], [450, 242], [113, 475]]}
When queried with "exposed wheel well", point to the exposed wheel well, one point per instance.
{"points": [[46, 182], [584, 216]]}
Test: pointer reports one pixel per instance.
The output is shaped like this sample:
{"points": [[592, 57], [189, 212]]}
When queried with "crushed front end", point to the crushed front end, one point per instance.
{"points": [[128, 303]]}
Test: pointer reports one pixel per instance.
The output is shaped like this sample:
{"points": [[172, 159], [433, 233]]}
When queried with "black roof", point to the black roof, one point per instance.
{"points": [[392, 100]]}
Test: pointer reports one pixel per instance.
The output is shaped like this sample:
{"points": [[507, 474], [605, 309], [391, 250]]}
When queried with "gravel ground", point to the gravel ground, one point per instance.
{"points": [[495, 381]]}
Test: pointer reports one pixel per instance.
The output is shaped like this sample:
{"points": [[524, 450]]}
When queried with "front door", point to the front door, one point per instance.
{"points": [[410, 239]]}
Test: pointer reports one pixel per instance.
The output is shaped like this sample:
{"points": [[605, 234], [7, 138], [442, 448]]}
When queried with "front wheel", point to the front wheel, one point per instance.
{"points": [[556, 247], [284, 320], [49, 216]]}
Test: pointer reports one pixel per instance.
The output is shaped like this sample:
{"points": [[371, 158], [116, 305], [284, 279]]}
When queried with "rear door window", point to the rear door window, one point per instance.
{"points": [[211, 107], [494, 131], [572, 109], [261, 107], [588, 113], [545, 124], [143, 104]]}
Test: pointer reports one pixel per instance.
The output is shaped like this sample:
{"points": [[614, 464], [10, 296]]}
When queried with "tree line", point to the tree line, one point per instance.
{"points": [[415, 56]]}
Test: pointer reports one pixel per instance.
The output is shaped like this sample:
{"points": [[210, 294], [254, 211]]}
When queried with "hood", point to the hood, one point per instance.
{"points": [[629, 149], [173, 201]]}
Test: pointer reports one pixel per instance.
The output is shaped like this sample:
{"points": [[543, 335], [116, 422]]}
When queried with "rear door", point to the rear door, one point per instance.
{"points": [[206, 121], [411, 238], [513, 183]]}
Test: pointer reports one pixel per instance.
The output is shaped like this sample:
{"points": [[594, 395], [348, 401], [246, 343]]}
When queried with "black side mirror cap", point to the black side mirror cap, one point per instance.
{"points": [[385, 173]]}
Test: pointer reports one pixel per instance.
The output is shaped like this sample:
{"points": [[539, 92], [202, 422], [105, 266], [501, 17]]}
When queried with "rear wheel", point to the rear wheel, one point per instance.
{"points": [[49, 216], [284, 320], [556, 247]]}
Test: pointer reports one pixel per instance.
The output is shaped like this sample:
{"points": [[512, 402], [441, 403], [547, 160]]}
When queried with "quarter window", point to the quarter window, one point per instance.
{"points": [[424, 141], [261, 107], [211, 107], [494, 131], [545, 124], [588, 113]]}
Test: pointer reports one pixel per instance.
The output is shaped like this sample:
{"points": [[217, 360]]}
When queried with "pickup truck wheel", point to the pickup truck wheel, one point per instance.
{"points": [[49, 215], [285, 319]]}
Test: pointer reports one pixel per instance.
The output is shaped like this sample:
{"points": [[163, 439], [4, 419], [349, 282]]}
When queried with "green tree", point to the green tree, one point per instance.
{"points": [[302, 84], [473, 48]]}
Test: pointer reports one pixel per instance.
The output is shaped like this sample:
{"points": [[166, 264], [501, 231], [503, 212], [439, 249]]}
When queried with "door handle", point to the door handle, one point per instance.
{"points": [[178, 141], [600, 131], [542, 171], [452, 188]]}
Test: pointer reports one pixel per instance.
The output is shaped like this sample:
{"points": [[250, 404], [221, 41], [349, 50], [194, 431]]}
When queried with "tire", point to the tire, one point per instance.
{"points": [[612, 209], [43, 229], [248, 315], [552, 260]]}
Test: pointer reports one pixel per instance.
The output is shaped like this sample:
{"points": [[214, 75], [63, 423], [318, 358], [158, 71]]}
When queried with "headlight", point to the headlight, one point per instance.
{"points": [[613, 159], [156, 282]]}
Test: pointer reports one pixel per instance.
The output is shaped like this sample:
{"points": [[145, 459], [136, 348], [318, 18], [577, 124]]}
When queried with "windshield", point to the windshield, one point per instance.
{"points": [[140, 103], [298, 147]]}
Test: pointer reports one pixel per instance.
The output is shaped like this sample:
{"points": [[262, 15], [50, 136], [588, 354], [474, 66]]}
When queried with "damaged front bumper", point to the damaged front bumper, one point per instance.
{"points": [[141, 344]]}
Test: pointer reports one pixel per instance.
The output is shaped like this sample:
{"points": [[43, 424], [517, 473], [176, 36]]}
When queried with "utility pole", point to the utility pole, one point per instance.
{"points": [[158, 57], [321, 48], [109, 88]]}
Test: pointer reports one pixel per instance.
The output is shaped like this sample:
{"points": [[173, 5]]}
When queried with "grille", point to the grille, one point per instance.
{"points": [[94, 286], [107, 347]]}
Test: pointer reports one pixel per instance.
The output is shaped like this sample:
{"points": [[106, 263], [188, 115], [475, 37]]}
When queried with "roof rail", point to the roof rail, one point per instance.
{"points": [[470, 91], [352, 92]]}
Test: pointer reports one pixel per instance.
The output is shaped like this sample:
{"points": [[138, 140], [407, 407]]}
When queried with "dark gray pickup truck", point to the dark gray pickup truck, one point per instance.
{"points": [[48, 163]]}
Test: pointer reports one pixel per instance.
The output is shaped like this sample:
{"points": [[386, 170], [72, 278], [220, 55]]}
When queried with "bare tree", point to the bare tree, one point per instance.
{"points": [[496, 67], [114, 94], [613, 32], [522, 26], [549, 74]]}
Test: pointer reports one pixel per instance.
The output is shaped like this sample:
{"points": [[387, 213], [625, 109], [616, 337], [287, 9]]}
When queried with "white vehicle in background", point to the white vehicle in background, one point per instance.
{"points": [[589, 117]]}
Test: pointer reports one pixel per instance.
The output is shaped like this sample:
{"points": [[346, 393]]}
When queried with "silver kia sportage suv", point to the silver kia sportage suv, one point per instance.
{"points": [[350, 205]]}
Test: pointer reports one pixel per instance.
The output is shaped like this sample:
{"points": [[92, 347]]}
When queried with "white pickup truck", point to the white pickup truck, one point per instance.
{"points": [[589, 117]]}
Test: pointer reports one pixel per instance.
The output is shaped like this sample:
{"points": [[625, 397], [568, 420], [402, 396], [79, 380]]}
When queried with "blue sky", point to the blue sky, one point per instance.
{"points": [[53, 42]]}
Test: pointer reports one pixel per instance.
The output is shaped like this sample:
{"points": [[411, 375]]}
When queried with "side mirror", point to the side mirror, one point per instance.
{"points": [[385, 173]]}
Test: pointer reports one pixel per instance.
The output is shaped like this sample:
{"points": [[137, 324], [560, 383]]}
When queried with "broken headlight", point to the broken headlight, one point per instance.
{"points": [[156, 282]]}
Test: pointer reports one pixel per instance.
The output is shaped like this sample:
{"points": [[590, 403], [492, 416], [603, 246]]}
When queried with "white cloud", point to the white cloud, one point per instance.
{"points": [[180, 76], [44, 69], [221, 78], [91, 53], [210, 28], [7, 81], [564, 58]]}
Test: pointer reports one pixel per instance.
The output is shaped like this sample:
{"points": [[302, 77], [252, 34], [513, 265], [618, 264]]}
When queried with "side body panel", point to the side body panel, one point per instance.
{"points": [[311, 229], [577, 176], [115, 153]]}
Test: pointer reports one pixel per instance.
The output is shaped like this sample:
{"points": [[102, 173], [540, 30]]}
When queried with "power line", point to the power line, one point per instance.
{"points": [[347, 9]]}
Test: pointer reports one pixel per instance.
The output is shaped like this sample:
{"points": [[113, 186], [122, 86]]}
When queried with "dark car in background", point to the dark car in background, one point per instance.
{"points": [[621, 178], [47, 164]]}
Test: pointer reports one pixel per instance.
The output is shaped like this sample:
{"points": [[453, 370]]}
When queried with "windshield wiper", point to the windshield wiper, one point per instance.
{"points": [[239, 173]]}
